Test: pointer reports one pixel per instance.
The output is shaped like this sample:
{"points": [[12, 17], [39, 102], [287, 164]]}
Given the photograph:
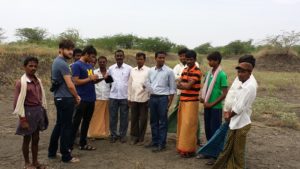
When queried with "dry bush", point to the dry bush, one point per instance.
{"points": [[275, 59]]}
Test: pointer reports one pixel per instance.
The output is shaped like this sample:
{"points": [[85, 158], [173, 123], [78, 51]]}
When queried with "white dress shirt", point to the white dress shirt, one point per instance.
{"points": [[136, 84], [102, 88], [231, 94], [120, 75], [242, 103]]}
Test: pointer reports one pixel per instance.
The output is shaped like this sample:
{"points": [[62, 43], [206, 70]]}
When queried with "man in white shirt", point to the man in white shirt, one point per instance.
{"points": [[118, 97], [138, 98], [233, 155], [99, 125]]}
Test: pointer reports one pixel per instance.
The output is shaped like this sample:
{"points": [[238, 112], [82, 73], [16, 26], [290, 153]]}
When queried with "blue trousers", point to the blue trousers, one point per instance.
{"points": [[212, 120], [159, 119]]}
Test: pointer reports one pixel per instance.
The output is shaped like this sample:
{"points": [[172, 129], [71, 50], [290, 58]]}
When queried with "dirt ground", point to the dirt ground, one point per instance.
{"points": [[267, 148]]}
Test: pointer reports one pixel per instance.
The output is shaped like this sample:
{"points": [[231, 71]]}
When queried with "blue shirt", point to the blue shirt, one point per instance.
{"points": [[83, 71], [161, 81], [60, 68]]}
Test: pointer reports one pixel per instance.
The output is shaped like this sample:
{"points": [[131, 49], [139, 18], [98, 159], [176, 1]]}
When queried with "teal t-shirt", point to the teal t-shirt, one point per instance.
{"points": [[220, 84]]}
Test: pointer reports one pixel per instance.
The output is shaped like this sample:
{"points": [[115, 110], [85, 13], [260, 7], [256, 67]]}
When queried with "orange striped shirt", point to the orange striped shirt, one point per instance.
{"points": [[195, 74]]}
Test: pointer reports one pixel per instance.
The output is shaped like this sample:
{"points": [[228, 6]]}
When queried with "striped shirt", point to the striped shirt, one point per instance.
{"points": [[195, 74]]}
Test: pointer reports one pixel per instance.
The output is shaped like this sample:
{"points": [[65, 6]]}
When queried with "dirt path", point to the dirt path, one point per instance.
{"points": [[267, 147]]}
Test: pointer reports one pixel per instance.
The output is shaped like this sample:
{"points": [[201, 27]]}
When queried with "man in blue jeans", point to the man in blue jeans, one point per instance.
{"points": [[65, 98], [162, 87], [118, 98]]}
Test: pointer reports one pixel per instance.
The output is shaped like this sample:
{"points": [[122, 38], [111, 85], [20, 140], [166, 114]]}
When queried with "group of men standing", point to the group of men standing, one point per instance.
{"points": [[96, 99]]}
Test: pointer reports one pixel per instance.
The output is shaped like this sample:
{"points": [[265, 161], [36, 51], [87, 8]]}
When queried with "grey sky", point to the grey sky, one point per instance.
{"points": [[188, 22]]}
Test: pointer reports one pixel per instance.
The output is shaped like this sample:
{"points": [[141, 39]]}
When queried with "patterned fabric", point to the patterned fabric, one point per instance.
{"points": [[37, 119], [233, 155], [195, 74]]}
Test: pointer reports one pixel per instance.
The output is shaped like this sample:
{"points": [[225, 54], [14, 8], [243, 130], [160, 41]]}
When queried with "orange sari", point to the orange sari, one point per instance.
{"points": [[187, 127], [99, 125]]}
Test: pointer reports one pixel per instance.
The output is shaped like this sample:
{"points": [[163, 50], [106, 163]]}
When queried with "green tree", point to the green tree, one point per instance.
{"points": [[176, 48], [204, 48], [31, 35], [124, 41], [155, 44], [73, 35], [239, 47]]}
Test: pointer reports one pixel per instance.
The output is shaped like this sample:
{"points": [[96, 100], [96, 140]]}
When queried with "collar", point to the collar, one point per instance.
{"points": [[117, 67], [162, 68], [191, 69], [29, 80], [243, 85], [142, 68]]}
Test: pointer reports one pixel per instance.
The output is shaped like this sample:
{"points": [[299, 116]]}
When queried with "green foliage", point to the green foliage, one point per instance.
{"points": [[238, 47], [31, 35], [155, 44], [204, 48], [73, 35], [132, 42], [176, 48]]}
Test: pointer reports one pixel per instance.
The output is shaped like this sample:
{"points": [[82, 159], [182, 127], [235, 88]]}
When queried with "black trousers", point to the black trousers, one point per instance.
{"points": [[139, 118], [84, 113]]}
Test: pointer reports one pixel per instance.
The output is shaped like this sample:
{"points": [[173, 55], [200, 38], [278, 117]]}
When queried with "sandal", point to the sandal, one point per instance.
{"points": [[87, 148]]}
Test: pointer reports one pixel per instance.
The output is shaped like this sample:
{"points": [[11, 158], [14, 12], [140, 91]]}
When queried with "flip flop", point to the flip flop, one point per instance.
{"points": [[87, 148]]}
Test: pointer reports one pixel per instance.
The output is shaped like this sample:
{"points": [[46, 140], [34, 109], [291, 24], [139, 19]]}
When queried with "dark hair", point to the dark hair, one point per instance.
{"points": [[30, 59], [119, 50], [89, 50], [249, 59], [139, 54], [183, 51], [216, 56], [160, 52], [102, 57], [66, 44], [191, 54], [77, 51]]}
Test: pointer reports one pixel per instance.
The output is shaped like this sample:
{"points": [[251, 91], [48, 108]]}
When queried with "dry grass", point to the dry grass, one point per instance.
{"points": [[277, 103]]}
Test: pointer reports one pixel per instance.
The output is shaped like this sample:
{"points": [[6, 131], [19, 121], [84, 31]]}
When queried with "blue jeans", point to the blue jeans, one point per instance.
{"points": [[63, 128], [114, 106], [159, 119], [213, 121]]}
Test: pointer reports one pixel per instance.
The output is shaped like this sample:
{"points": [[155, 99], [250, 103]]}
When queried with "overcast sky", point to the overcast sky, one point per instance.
{"points": [[188, 22]]}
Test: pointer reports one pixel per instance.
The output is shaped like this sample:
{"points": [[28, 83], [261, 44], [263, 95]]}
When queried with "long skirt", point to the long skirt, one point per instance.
{"points": [[187, 127], [233, 155], [37, 119], [99, 125]]}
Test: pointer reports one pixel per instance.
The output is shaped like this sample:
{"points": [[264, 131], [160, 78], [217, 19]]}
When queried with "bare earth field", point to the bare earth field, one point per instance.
{"points": [[267, 148]]}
